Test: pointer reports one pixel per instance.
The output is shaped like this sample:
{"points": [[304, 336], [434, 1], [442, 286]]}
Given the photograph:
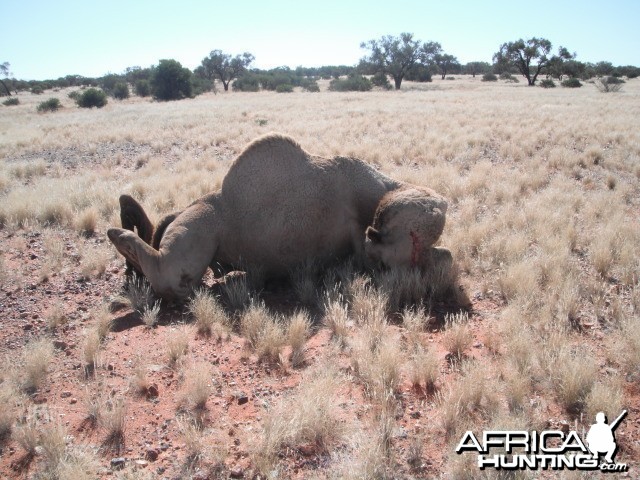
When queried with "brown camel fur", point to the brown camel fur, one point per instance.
{"points": [[278, 208]]}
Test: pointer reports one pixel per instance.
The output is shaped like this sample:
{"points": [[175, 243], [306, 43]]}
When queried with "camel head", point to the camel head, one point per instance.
{"points": [[127, 243]]}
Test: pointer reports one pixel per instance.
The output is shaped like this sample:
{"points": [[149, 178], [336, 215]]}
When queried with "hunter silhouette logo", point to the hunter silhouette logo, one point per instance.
{"points": [[546, 450], [600, 437]]}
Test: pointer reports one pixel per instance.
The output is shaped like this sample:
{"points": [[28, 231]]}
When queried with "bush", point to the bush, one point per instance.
{"points": [[121, 91], [381, 80], [92, 97], [170, 81], [37, 90], [547, 83], [608, 84], [11, 101], [50, 105], [418, 73], [507, 77], [571, 83], [75, 95], [284, 88], [489, 77], [310, 85], [142, 88], [246, 83], [201, 85], [353, 83]]}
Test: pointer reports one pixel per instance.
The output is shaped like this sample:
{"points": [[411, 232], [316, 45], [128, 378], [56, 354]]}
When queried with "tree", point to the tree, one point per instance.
{"points": [[474, 68], [223, 67], [170, 81], [531, 57], [396, 56], [5, 72], [446, 63]]}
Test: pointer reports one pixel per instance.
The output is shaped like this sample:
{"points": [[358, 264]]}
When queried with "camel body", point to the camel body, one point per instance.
{"points": [[278, 208]]}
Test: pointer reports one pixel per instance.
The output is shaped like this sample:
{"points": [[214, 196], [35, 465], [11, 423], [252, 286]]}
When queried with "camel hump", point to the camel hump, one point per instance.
{"points": [[268, 163], [272, 151]]}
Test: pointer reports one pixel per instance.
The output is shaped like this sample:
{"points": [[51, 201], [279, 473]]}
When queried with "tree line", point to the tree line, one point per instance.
{"points": [[400, 58]]}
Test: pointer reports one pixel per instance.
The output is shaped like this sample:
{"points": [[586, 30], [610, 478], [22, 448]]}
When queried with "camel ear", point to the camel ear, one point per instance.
{"points": [[373, 235], [125, 242]]}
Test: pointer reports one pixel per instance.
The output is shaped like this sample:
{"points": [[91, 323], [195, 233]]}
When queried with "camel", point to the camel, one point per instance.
{"points": [[278, 208]]}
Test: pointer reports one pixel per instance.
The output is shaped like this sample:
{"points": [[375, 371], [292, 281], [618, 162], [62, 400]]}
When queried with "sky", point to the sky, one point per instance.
{"points": [[49, 39]]}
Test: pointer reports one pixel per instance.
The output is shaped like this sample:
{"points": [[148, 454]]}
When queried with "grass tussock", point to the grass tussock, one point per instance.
{"points": [[177, 344], [263, 332], [210, 317], [298, 331], [112, 419], [151, 314], [37, 356], [424, 369], [573, 377], [336, 318], [197, 385], [457, 337], [305, 417]]}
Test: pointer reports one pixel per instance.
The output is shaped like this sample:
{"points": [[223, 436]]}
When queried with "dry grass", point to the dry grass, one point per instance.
{"points": [[91, 348], [150, 314], [457, 337], [298, 331], [607, 397], [177, 344], [573, 376], [197, 385], [305, 417], [37, 356], [263, 332], [336, 318], [27, 432], [210, 318], [102, 320], [542, 215], [11, 399], [424, 368], [112, 418], [56, 316]]}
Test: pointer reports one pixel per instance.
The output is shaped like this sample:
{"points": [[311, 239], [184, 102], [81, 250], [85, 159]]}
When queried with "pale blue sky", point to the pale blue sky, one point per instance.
{"points": [[49, 39]]}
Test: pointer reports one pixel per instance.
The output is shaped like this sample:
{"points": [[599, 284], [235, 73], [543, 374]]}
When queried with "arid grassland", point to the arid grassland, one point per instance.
{"points": [[335, 375]]}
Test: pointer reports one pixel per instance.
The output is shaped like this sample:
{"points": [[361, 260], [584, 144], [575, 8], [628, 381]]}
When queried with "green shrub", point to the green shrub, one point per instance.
{"points": [[120, 91], [507, 77], [284, 88], [75, 95], [571, 83], [246, 83], [50, 105], [310, 85], [37, 90], [92, 97], [419, 73], [11, 101], [201, 85], [614, 80], [381, 80], [489, 77], [142, 88], [170, 81], [608, 84], [353, 83], [547, 83]]}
